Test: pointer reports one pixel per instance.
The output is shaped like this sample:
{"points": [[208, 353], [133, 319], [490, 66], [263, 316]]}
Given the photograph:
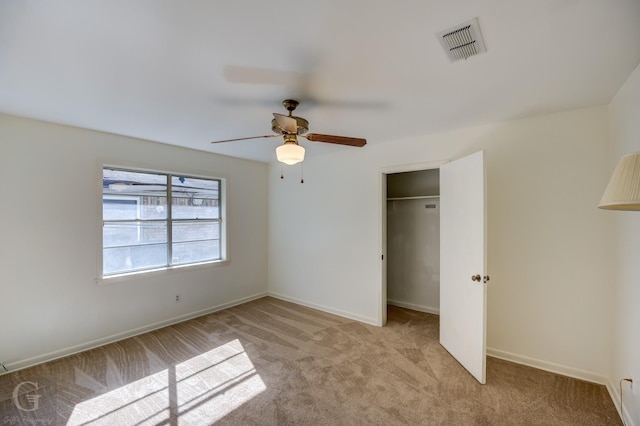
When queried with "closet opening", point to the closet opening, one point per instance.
{"points": [[413, 240]]}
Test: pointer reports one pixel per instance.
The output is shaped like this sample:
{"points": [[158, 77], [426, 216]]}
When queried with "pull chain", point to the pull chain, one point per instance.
{"points": [[301, 173]]}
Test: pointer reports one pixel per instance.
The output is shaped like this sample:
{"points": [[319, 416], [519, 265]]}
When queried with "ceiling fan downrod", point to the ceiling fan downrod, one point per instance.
{"points": [[290, 105]]}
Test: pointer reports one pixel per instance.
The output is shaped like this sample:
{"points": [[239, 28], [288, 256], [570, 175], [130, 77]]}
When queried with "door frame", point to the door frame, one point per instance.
{"points": [[382, 217]]}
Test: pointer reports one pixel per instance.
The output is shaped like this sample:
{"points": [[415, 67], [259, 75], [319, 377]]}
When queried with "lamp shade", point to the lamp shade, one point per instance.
{"points": [[623, 191], [290, 153]]}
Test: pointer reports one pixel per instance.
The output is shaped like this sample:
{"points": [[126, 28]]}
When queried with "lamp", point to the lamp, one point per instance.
{"points": [[623, 191], [290, 152]]}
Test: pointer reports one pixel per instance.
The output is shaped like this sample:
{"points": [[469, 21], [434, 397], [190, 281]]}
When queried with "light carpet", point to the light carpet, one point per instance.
{"points": [[270, 362]]}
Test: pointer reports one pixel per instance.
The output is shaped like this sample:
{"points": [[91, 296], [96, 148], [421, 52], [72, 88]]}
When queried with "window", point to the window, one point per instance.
{"points": [[156, 220]]}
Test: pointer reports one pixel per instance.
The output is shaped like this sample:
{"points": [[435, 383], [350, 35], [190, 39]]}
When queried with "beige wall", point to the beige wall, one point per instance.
{"points": [[549, 300], [50, 181], [624, 114], [552, 297]]}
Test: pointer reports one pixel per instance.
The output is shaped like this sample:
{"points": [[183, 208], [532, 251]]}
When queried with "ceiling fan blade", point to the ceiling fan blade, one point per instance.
{"points": [[244, 139], [340, 140], [287, 123]]}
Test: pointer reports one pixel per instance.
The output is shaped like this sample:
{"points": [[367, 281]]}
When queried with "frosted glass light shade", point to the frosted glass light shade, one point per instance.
{"points": [[290, 153], [623, 191]]}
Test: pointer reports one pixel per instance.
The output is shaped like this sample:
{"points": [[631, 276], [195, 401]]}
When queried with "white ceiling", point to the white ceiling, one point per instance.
{"points": [[189, 72]]}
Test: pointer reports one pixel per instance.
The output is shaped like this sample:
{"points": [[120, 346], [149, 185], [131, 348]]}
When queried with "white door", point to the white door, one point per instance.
{"points": [[463, 290]]}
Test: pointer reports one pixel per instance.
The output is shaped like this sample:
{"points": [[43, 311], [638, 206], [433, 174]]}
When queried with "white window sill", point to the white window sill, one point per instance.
{"points": [[152, 273]]}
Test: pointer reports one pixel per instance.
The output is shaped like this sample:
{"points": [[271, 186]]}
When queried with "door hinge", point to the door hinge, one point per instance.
{"points": [[478, 278]]}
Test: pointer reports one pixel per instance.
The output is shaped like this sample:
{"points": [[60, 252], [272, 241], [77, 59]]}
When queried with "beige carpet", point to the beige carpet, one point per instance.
{"points": [[270, 362]]}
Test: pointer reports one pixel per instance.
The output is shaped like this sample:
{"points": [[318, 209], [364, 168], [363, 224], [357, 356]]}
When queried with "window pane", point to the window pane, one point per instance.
{"points": [[120, 208], [133, 195], [136, 219], [127, 259], [194, 231], [198, 251], [133, 233], [195, 198]]}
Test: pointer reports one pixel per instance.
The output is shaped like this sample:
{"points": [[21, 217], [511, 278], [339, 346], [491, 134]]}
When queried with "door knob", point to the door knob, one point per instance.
{"points": [[476, 278]]}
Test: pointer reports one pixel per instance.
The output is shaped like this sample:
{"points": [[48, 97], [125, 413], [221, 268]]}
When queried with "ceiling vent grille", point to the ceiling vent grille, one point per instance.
{"points": [[462, 41]]}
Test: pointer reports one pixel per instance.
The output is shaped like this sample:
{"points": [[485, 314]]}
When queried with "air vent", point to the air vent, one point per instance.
{"points": [[462, 41]]}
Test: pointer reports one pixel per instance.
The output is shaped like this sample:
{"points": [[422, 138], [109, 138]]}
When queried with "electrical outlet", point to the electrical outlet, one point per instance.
{"points": [[177, 298]]}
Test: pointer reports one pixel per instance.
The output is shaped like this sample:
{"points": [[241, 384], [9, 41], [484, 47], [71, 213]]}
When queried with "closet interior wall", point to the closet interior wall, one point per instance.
{"points": [[413, 240]]}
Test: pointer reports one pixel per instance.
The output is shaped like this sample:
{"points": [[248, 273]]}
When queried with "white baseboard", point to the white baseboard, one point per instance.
{"points": [[614, 393], [576, 373], [355, 317], [414, 307], [30, 362], [564, 370]]}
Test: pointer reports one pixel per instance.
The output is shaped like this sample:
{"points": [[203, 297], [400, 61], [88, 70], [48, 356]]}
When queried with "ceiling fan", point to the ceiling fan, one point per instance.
{"points": [[290, 127]]}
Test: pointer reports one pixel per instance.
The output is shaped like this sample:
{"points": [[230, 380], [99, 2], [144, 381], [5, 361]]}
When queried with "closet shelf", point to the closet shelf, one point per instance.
{"points": [[421, 197]]}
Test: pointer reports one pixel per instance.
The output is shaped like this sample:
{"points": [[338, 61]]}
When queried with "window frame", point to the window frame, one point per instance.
{"points": [[169, 221]]}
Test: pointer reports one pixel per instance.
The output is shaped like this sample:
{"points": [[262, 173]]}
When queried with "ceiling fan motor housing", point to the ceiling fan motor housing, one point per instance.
{"points": [[301, 123]]}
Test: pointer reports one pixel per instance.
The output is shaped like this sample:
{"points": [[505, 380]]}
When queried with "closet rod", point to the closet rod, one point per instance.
{"points": [[421, 197]]}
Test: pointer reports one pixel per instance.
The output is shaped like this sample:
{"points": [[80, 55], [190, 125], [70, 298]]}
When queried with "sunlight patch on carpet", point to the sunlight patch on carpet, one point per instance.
{"points": [[204, 388]]}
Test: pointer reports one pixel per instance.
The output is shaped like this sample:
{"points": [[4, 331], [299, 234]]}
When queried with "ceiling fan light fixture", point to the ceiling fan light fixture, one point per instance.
{"points": [[290, 153]]}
